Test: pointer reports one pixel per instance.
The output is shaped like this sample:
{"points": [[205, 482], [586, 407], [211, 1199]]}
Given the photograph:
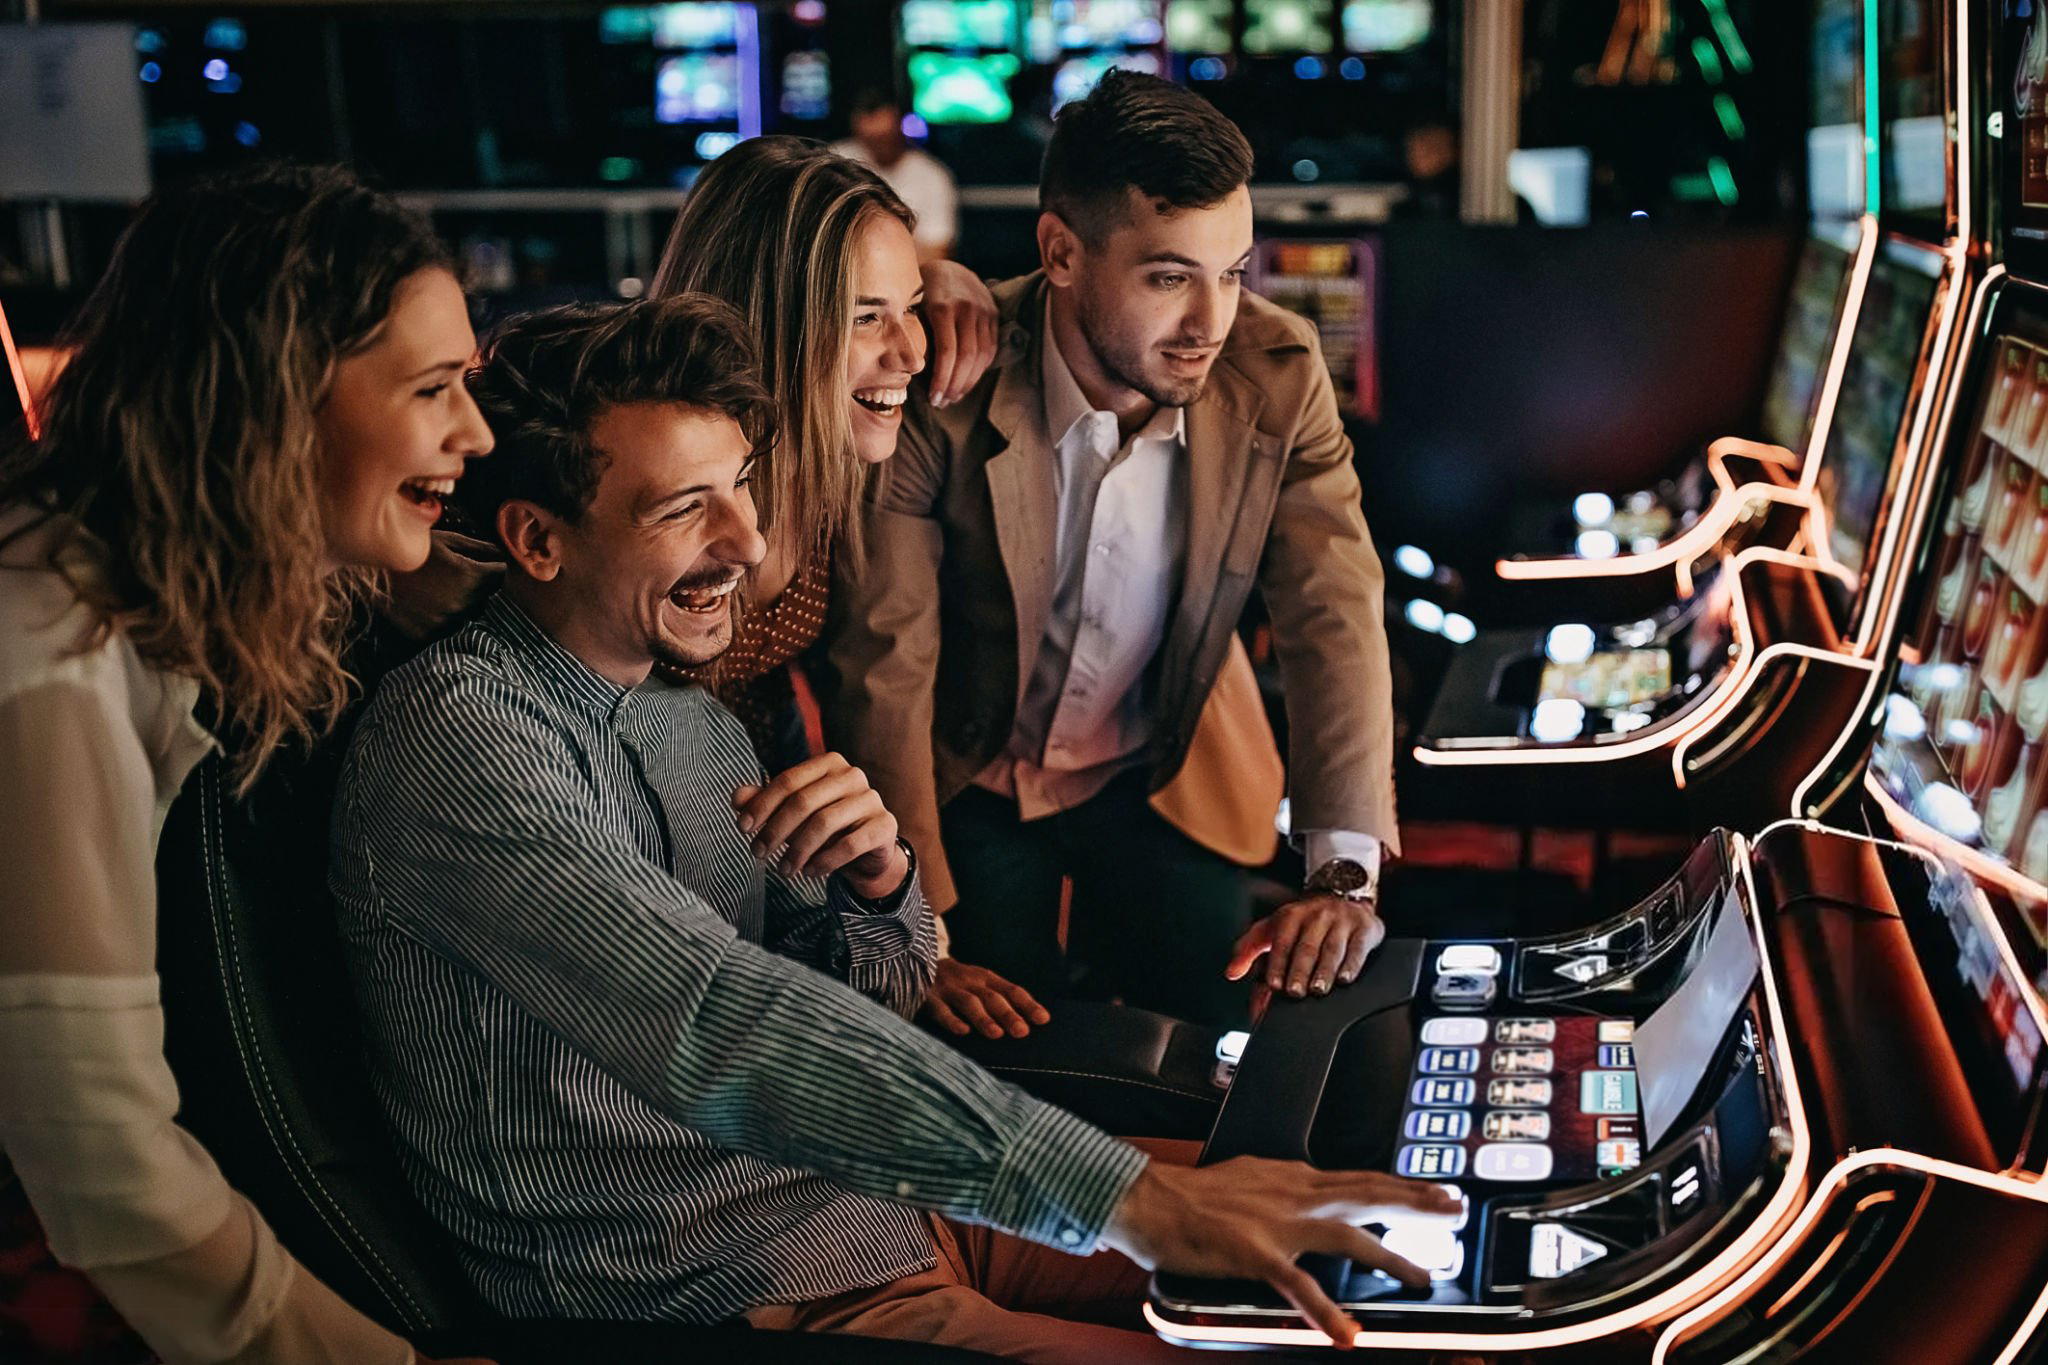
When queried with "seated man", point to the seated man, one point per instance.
{"points": [[636, 1073]]}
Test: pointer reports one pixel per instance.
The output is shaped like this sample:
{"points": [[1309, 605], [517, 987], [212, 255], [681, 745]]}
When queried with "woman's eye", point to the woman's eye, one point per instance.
{"points": [[866, 319], [1235, 276], [434, 391]]}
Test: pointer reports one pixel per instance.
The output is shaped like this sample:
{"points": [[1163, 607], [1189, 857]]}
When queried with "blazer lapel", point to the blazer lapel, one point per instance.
{"points": [[1221, 427], [1022, 496]]}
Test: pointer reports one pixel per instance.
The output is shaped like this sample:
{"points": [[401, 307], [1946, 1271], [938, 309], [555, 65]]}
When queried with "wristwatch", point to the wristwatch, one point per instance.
{"points": [[1344, 878]]}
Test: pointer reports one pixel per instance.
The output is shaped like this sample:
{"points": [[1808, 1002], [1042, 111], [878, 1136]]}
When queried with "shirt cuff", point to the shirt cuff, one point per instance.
{"points": [[1318, 846], [1060, 1182]]}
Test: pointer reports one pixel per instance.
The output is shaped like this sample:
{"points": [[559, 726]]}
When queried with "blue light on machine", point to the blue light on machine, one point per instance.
{"points": [[712, 146], [226, 35], [248, 134], [1903, 721], [215, 70], [1425, 615], [1207, 69], [915, 128], [149, 41], [1351, 69], [1644, 214], [1571, 643], [1458, 628], [150, 73], [1306, 170], [1414, 561], [1950, 811], [1308, 68], [1557, 720], [1597, 545], [1592, 509]]}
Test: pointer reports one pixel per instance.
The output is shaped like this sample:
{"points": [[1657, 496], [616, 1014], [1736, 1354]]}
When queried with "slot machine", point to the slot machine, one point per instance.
{"points": [[1777, 1108], [1736, 697]]}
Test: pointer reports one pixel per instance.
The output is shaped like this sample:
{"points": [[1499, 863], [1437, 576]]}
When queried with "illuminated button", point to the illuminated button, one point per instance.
{"points": [[1511, 1161], [1429, 1243], [1455, 1031], [1571, 643], [1070, 1237], [1445, 1090], [1597, 545], [1555, 1251], [1592, 509], [1463, 990], [1469, 957], [1523, 1032], [1230, 1047], [1516, 1125], [1428, 1161], [1512, 1092], [1524, 1061], [1438, 1125], [1617, 1031], [1584, 969], [1457, 1061], [1557, 720]]}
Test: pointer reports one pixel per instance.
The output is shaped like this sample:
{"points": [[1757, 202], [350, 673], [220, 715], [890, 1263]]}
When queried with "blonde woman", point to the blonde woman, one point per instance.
{"points": [[265, 402], [817, 253]]}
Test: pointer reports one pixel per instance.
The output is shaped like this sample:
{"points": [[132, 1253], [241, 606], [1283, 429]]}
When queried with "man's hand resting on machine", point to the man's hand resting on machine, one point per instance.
{"points": [[1250, 1218]]}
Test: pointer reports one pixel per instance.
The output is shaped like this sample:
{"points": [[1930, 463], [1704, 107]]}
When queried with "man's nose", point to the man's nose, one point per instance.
{"points": [[738, 538]]}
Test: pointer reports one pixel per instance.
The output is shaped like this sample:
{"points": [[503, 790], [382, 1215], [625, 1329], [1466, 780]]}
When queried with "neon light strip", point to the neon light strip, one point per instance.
{"points": [[20, 376], [747, 22], [1758, 1235], [1705, 533], [1838, 1176], [1873, 163], [1741, 672], [1777, 651]]}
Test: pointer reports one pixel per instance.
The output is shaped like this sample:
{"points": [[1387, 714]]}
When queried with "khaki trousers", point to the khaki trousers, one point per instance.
{"points": [[1000, 1294]]}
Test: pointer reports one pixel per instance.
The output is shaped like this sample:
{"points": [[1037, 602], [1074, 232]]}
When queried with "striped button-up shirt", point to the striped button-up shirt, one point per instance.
{"points": [[622, 1063]]}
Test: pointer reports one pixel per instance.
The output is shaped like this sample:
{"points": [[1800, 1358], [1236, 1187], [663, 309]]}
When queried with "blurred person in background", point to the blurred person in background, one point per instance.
{"points": [[920, 179]]}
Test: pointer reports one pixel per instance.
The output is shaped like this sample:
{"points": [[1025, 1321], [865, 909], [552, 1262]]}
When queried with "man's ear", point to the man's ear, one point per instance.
{"points": [[530, 536], [1059, 249]]}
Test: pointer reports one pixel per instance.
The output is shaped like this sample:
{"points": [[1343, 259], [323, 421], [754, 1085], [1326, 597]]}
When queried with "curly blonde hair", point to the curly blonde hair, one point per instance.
{"points": [[180, 441], [773, 228]]}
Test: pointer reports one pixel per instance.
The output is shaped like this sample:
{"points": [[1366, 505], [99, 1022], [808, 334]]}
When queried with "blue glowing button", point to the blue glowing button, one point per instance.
{"points": [[1454, 1031], [1617, 1054], [1431, 1162], [1457, 1061], [1447, 1090], [1438, 1125]]}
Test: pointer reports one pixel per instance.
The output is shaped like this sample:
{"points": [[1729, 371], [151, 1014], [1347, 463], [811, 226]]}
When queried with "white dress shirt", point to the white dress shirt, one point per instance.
{"points": [[1119, 549]]}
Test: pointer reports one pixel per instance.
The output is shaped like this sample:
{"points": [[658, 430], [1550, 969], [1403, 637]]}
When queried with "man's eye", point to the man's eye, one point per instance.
{"points": [[1169, 281], [688, 509]]}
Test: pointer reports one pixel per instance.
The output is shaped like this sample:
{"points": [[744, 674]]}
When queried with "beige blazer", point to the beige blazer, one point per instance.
{"points": [[934, 630]]}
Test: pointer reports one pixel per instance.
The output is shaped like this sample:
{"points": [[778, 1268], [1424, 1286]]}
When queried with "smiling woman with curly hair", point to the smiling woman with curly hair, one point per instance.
{"points": [[264, 409]]}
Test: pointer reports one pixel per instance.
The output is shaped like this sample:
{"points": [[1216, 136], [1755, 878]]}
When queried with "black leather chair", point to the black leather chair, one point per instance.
{"points": [[262, 1034]]}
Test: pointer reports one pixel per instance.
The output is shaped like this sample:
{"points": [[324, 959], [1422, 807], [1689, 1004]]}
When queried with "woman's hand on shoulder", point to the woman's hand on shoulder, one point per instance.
{"points": [[960, 317]]}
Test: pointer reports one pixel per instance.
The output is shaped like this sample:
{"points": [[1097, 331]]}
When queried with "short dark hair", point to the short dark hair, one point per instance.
{"points": [[1135, 131], [873, 97], [546, 377]]}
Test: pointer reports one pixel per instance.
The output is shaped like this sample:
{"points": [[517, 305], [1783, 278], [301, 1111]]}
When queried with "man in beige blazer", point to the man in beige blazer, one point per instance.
{"points": [[1053, 572]]}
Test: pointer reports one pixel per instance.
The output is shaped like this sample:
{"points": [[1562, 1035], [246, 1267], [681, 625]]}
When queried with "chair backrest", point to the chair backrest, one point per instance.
{"points": [[262, 1032]]}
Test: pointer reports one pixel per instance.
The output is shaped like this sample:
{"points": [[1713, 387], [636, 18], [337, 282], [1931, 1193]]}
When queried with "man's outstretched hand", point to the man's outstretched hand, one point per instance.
{"points": [[1250, 1219], [966, 999], [1310, 945]]}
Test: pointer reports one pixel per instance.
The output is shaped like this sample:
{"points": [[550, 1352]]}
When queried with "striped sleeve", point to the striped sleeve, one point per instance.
{"points": [[468, 821]]}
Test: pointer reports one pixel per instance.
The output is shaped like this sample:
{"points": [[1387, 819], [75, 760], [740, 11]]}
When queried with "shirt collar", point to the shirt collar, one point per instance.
{"points": [[564, 676], [1066, 405]]}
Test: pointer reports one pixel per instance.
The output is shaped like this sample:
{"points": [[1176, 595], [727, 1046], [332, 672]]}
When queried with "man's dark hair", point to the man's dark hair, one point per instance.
{"points": [[873, 97], [546, 377], [1135, 131]]}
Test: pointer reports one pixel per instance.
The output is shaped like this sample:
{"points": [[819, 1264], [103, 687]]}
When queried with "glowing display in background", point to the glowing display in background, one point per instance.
{"points": [[959, 23], [1198, 25], [947, 88], [1386, 25], [1272, 26], [697, 87]]}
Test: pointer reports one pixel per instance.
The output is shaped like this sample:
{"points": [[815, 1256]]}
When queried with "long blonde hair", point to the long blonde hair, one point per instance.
{"points": [[180, 441], [773, 227]]}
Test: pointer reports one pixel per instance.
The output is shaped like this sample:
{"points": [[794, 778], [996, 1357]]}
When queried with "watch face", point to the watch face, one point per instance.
{"points": [[1342, 877]]}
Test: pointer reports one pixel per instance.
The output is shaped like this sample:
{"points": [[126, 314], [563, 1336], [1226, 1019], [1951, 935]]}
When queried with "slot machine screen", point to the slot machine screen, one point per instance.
{"points": [[2019, 91], [1835, 156], [959, 23], [1198, 25], [948, 88], [696, 24], [1611, 680], [1803, 339], [1287, 26], [1112, 24], [1913, 152], [1883, 355], [697, 87], [1960, 750], [1386, 25]]}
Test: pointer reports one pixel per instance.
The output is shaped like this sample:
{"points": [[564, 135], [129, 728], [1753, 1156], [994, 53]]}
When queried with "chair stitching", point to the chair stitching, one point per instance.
{"points": [[215, 840]]}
